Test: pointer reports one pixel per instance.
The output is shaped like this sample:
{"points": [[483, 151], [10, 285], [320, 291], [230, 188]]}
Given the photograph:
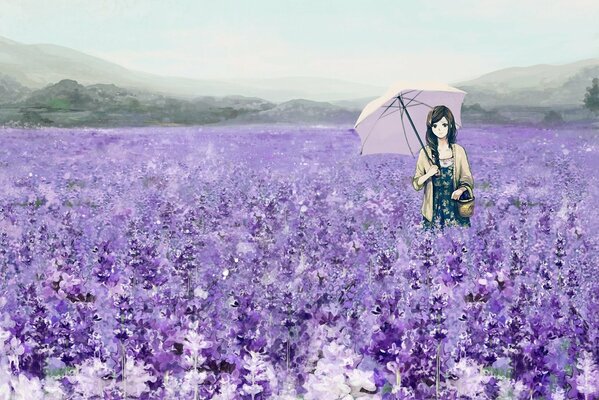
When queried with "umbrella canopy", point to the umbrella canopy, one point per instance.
{"points": [[384, 125]]}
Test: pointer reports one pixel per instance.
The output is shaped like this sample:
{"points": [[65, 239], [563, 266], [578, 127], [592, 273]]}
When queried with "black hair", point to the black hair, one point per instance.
{"points": [[435, 115]]}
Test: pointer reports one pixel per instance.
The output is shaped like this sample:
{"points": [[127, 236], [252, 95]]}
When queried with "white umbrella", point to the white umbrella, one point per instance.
{"points": [[396, 121]]}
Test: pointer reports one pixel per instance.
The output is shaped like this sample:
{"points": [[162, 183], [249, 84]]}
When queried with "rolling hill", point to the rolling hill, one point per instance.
{"points": [[536, 85], [38, 65]]}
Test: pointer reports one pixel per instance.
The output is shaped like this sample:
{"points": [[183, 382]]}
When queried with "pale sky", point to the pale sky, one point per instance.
{"points": [[374, 42]]}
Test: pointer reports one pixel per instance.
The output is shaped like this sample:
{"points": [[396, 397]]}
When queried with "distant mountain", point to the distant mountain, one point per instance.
{"points": [[314, 88], [39, 82], [300, 111], [11, 90], [537, 85], [38, 65], [68, 103], [354, 104], [70, 95]]}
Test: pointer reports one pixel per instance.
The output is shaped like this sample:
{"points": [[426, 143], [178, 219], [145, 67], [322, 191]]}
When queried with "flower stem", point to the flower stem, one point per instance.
{"points": [[437, 380], [195, 390], [124, 377]]}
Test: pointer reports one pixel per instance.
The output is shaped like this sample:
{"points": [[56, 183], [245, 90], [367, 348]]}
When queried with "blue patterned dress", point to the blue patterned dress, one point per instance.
{"points": [[445, 209]]}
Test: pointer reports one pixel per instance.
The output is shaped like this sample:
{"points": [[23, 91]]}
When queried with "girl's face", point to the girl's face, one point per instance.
{"points": [[440, 128]]}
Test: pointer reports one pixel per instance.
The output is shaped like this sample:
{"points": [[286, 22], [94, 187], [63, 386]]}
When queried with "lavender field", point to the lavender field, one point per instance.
{"points": [[275, 262]]}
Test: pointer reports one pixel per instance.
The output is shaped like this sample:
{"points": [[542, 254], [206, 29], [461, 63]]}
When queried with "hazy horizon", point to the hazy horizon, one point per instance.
{"points": [[351, 41]]}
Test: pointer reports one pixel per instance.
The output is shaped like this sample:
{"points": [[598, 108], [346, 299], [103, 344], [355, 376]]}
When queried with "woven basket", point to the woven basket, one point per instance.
{"points": [[466, 203]]}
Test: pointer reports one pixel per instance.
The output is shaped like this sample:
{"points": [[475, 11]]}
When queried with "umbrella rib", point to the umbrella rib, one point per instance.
{"points": [[419, 103], [411, 99], [405, 134], [412, 124], [388, 107], [401, 110], [373, 125], [390, 113]]}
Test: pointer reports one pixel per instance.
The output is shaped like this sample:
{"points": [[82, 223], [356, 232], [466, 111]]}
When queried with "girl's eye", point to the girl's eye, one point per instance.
{"points": [[434, 125], [445, 125]]}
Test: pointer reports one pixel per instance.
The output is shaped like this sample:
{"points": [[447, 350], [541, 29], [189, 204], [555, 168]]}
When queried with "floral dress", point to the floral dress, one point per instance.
{"points": [[445, 209]]}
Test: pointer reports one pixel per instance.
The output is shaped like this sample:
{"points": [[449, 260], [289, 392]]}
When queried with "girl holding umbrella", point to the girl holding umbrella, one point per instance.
{"points": [[448, 178]]}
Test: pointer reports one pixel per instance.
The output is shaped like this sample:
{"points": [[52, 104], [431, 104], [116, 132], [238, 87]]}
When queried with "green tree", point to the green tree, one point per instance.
{"points": [[591, 97]]}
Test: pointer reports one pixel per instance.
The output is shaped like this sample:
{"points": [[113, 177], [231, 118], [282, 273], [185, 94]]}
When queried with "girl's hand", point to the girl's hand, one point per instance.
{"points": [[457, 193], [433, 170]]}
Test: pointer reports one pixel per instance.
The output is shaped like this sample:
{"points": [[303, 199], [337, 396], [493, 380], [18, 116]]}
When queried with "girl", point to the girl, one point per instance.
{"points": [[446, 179]]}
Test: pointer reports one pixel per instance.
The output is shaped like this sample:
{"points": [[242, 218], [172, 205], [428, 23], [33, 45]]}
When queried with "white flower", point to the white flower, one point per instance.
{"points": [[191, 361], [559, 394], [5, 391], [471, 379], [334, 379], [587, 381], [5, 378], [284, 396], [510, 189], [501, 276], [136, 376], [288, 392], [4, 335], [510, 390], [326, 368], [255, 365], [361, 380], [172, 386], [228, 390], [14, 350], [401, 390], [335, 352], [259, 369], [53, 389], [252, 389], [89, 380], [244, 247], [201, 293], [192, 380], [27, 389], [195, 342], [326, 387]]}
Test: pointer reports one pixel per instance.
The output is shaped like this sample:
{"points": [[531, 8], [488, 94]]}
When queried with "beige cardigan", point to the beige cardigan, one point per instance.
{"points": [[461, 176]]}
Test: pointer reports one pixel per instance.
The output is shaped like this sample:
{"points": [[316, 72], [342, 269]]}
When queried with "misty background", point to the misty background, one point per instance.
{"points": [[131, 63]]}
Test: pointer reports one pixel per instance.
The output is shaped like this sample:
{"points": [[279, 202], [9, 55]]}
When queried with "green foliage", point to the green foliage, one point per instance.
{"points": [[474, 108], [74, 183], [552, 118], [34, 118], [506, 373], [68, 103], [387, 388], [591, 97], [60, 372], [476, 113], [39, 202], [59, 104]]}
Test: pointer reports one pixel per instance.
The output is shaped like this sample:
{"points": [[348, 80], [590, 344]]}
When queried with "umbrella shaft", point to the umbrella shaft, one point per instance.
{"points": [[413, 127]]}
